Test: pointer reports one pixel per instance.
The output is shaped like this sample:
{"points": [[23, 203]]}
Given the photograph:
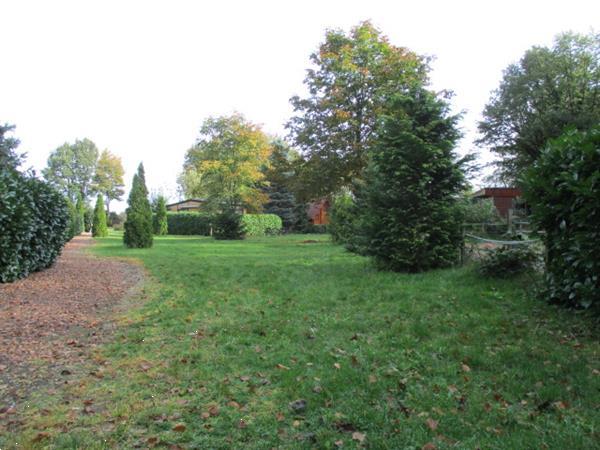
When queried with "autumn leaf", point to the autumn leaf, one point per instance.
{"points": [[242, 424], [214, 411], [234, 404], [372, 379], [205, 415], [337, 366], [280, 417], [465, 368], [179, 427], [41, 436], [358, 436], [282, 367], [432, 424], [429, 446]]}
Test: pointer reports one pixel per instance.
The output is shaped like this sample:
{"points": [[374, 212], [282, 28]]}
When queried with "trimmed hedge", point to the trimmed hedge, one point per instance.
{"points": [[189, 223], [261, 224], [34, 219]]}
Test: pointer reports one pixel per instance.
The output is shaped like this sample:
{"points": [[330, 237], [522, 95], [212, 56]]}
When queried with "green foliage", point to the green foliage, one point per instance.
{"points": [[76, 217], [261, 224], [189, 223], [509, 261], [343, 216], [548, 90], [225, 167], [34, 218], [138, 225], [71, 168], [227, 225], [88, 218], [159, 219], [280, 177], [99, 227], [479, 210], [563, 191], [409, 220], [8, 145], [353, 76]]}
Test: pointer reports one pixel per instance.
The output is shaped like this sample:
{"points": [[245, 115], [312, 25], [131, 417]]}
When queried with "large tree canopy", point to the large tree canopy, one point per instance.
{"points": [[547, 91], [71, 168], [226, 166], [108, 179], [352, 77]]}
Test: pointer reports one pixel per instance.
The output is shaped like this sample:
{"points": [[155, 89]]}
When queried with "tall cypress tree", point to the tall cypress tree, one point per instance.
{"points": [[99, 228], [160, 216], [138, 226]]}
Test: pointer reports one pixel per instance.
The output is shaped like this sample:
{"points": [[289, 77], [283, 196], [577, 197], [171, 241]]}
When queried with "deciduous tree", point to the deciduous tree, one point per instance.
{"points": [[71, 168], [547, 91], [226, 166], [108, 179], [352, 76]]}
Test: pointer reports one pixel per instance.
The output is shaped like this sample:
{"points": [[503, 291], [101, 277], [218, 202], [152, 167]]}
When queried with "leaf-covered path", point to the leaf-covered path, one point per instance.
{"points": [[50, 320]]}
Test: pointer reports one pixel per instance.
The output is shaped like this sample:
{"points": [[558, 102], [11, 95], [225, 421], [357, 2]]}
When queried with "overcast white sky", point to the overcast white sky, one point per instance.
{"points": [[139, 77]]}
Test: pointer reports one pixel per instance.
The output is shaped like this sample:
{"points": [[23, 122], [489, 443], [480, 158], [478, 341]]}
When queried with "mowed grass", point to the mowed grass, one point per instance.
{"points": [[230, 333]]}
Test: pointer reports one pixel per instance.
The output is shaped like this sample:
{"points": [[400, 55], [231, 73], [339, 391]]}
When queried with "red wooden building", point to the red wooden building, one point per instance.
{"points": [[317, 211], [504, 198]]}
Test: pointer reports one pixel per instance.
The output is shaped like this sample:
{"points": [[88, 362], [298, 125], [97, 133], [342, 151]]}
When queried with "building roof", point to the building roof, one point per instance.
{"points": [[498, 192], [199, 200]]}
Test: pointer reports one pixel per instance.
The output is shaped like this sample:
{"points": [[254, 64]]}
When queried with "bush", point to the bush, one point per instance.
{"points": [[261, 224], [99, 227], [34, 219], [479, 211], [563, 190], [509, 261], [343, 221], [189, 223], [138, 226], [228, 225]]}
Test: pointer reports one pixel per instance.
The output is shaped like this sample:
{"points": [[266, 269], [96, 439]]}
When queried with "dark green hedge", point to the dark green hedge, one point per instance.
{"points": [[261, 224], [188, 223], [563, 190], [34, 219]]}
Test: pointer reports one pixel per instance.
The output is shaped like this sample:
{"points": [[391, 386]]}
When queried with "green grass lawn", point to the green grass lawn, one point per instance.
{"points": [[231, 332]]}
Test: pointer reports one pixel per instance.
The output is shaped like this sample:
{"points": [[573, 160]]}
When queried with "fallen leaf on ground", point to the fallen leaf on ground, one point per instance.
{"points": [[432, 424], [465, 368], [358, 436], [337, 366], [179, 427]]}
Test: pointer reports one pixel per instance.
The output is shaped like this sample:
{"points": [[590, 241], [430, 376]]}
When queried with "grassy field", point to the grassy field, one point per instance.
{"points": [[231, 334]]}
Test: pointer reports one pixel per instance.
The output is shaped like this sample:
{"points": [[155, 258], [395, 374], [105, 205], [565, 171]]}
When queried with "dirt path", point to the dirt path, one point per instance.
{"points": [[51, 320]]}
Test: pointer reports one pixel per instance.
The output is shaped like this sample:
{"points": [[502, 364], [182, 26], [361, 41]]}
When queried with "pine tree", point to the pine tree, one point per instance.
{"points": [[99, 228], [408, 219], [160, 216], [138, 226]]}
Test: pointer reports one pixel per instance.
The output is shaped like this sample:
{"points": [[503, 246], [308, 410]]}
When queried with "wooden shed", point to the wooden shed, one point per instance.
{"points": [[317, 212], [504, 198]]}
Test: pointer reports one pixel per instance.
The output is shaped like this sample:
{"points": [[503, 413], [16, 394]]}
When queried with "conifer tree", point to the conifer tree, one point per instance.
{"points": [[409, 220], [99, 228], [160, 216], [138, 226]]}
